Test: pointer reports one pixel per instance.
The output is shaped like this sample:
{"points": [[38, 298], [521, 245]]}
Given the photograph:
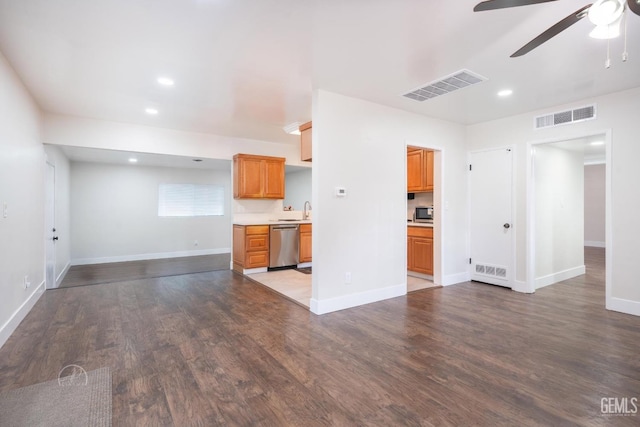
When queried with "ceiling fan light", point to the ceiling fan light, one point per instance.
{"points": [[606, 12], [606, 32]]}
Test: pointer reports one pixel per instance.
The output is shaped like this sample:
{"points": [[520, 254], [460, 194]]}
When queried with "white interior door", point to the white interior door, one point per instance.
{"points": [[491, 229], [49, 227]]}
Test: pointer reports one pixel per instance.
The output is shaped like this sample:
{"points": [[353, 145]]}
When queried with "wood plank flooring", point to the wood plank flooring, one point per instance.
{"points": [[217, 349], [93, 274]]}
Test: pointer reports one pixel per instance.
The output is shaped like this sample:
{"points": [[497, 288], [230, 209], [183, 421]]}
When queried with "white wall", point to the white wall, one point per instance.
{"points": [[559, 201], [594, 204], [362, 146], [617, 112], [297, 188], [62, 214], [114, 214], [22, 166]]}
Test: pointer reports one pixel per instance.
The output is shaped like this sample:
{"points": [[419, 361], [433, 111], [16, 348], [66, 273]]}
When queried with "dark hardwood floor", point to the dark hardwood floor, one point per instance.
{"points": [[95, 274], [216, 349]]}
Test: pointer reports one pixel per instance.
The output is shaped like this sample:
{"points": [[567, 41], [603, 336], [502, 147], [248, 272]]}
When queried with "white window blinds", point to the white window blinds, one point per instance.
{"points": [[186, 200]]}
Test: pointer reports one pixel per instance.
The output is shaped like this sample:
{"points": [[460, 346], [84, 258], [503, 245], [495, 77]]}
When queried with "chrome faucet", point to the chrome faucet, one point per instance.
{"points": [[305, 213]]}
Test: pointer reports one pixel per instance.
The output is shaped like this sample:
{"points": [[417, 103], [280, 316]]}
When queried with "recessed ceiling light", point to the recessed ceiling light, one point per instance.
{"points": [[597, 143], [151, 111], [133, 160], [293, 128], [505, 92], [165, 81]]}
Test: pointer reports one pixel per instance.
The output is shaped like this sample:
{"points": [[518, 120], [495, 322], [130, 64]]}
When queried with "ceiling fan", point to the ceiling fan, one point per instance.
{"points": [[606, 15]]}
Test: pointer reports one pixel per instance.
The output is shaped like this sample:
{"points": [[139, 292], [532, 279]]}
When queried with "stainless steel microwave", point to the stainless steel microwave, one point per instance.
{"points": [[423, 214]]}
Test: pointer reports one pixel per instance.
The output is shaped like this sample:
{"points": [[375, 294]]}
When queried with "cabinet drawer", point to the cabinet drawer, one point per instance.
{"points": [[256, 229], [420, 232], [256, 259], [257, 243]]}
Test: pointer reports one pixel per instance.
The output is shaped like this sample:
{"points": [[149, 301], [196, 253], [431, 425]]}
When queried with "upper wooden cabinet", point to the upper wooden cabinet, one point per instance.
{"points": [[419, 170], [258, 177], [305, 142]]}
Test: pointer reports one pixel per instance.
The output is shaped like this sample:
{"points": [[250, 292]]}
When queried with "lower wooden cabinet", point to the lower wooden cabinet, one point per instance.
{"points": [[420, 250], [250, 246], [305, 243]]}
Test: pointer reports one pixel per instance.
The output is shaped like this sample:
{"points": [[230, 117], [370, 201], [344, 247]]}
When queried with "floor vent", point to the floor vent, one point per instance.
{"points": [[565, 117], [491, 271], [445, 85]]}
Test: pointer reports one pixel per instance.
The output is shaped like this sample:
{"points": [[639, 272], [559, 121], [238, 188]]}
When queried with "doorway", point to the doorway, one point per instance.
{"points": [[423, 239], [557, 204]]}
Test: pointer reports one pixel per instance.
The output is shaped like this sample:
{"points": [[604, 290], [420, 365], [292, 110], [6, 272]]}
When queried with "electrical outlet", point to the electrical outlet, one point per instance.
{"points": [[347, 277]]}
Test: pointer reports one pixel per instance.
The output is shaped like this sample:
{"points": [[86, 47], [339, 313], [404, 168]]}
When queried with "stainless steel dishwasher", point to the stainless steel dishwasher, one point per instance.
{"points": [[283, 245]]}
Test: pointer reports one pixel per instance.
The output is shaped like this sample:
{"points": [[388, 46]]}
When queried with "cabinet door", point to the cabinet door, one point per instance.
{"points": [[273, 179], [415, 171], [305, 142], [429, 171], [305, 247], [250, 172], [422, 260], [410, 253]]}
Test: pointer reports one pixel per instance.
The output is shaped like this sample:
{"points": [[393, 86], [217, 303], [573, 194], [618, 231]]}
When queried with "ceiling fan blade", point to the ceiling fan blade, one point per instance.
{"points": [[502, 4], [553, 31], [634, 5]]}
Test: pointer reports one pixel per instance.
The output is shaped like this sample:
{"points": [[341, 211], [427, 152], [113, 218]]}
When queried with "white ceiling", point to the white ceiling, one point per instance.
{"points": [[246, 68]]}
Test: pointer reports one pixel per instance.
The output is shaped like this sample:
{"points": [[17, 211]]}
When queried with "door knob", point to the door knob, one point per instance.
{"points": [[55, 238], [507, 225]]}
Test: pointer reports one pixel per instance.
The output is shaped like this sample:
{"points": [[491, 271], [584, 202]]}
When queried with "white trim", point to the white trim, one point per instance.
{"points": [[354, 300], [12, 324], [624, 306], [520, 286], [143, 257], [452, 279], [595, 244], [60, 277], [304, 265], [559, 276], [247, 271]]}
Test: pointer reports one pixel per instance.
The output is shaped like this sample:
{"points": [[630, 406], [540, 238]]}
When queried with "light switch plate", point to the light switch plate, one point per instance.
{"points": [[341, 192]]}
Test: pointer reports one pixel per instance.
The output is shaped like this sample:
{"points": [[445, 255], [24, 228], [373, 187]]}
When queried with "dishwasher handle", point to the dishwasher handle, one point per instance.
{"points": [[284, 227]]}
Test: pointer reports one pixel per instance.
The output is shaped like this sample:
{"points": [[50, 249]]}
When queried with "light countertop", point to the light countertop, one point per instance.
{"points": [[419, 224], [271, 222]]}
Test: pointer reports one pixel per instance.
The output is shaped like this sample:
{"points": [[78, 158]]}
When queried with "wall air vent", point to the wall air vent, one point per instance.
{"points": [[565, 117], [445, 85], [491, 270]]}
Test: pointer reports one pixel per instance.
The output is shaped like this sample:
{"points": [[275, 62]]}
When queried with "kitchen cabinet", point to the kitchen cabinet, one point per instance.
{"points": [[305, 142], [419, 170], [250, 247], [258, 177], [305, 243], [420, 249]]}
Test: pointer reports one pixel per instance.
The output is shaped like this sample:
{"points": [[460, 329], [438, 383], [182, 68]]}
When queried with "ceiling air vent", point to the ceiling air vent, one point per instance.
{"points": [[445, 85], [564, 117]]}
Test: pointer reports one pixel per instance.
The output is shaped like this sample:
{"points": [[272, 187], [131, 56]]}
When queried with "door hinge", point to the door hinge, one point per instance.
{"points": [[470, 167], [469, 260]]}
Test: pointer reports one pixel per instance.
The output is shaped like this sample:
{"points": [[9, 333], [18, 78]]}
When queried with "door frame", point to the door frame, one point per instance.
{"points": [[531, 208], [50, 210], [514, 284], [438, 204]]}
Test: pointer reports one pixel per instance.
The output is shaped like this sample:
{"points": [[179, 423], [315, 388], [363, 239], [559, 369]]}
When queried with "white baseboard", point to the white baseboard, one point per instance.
{"points": [[594, 244], [10, 326], [520, 286], [550, 279], [304, 265], [453, 279], [248, 271], [144, 257], [624, 306], [353, 300], [63, 273]]}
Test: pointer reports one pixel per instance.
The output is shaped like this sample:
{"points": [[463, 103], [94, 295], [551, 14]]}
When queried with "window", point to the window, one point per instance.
{"points": [[190, 200]]}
